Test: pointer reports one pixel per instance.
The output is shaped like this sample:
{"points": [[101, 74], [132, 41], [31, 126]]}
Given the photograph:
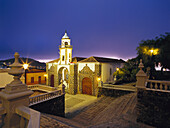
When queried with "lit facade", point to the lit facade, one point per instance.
{"points": [[80, 75]]}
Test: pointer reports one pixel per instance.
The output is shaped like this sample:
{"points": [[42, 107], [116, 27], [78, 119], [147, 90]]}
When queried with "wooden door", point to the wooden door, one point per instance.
{"points": [[52, 80], [39, 79], [87, 86]]}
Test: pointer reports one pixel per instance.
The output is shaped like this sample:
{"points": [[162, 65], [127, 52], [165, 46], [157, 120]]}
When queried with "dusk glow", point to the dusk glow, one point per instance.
{"points": [[111, 28]]}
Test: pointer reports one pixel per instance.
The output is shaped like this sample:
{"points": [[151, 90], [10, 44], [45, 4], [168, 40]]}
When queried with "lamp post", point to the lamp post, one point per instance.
{"points": [[25, 68], [152, 53]]}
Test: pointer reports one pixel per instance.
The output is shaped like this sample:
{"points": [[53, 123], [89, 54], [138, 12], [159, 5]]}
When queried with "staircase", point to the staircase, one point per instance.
{"points": [[106, 109], [106, 112]]}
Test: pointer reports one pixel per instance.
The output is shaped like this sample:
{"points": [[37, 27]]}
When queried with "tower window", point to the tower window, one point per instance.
{"points": [[62, 58], [69, 55], [66, 43]]}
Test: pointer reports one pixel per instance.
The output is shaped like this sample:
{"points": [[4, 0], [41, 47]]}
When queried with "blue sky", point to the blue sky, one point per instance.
{"points": [[110, 28]]}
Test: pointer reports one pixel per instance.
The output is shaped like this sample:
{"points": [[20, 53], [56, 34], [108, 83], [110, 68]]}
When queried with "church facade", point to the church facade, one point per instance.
{"points": [[78, 74]]}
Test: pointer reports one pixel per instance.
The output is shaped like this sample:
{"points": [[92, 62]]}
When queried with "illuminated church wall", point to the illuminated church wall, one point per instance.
{"points": [[80, 74]]}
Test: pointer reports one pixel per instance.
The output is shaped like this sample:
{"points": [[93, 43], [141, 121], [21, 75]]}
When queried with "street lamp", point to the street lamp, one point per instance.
{"points": [[152, 53], [25, 68], [117, 69], [98, 79]]}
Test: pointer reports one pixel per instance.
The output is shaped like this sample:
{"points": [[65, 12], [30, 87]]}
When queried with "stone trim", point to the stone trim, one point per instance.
{"points": [[86, 72]]}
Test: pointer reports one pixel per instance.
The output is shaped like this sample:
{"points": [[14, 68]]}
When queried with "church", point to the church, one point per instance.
{"points": [[78, 74]]}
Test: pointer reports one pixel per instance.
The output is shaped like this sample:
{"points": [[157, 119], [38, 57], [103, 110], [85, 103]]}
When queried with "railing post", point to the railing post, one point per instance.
{"points": [[141, 77], [14, 95], [100, 83]]}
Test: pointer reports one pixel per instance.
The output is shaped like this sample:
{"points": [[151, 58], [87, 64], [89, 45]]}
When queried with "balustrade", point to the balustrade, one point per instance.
{"points": [[44, 97], [41, 87], [158, 85]]}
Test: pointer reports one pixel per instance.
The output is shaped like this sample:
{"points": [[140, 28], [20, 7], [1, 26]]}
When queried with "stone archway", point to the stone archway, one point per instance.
{"points": [[63, 76], [86, 81], [87, 86]]}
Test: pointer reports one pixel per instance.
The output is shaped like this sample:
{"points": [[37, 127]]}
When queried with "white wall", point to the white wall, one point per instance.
{"points": [[90, 65], [5, 79], [105, 71]]}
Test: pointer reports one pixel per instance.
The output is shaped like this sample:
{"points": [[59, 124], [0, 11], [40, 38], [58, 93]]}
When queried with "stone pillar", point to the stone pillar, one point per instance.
{"points": [[96, 77], [73, 79], [100, 84], [141, 77], [14, 95], [56, 83]]}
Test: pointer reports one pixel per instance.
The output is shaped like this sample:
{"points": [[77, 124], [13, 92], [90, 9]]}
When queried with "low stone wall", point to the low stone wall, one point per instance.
{"points": [[111, 92], [55, 106], [153, 108]]}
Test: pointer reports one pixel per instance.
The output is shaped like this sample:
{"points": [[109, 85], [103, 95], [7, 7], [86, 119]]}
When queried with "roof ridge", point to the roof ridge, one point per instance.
{"points": [[94, 58]]}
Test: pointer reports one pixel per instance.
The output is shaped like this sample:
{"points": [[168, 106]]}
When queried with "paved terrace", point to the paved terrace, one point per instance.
{"points": [[104, 112]]}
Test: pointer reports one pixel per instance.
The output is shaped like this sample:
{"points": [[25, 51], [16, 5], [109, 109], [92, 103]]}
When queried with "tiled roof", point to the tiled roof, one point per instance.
{"points": [[92, 59], [35, 70], [102, 60], [77, 59], [74, 60]]}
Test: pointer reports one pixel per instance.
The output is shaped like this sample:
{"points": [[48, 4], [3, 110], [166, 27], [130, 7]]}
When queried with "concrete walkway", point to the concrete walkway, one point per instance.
{"points": [[75, 103]]}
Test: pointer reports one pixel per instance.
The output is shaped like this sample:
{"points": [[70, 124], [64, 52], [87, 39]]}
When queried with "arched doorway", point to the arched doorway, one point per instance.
{"points": [[52, 80], [87, 86], [63, 76]]}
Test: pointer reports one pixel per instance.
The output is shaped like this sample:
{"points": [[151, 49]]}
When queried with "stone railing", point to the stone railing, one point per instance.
{"points": [[44, 97], [29, 117], [157, 85], [42, 88]]}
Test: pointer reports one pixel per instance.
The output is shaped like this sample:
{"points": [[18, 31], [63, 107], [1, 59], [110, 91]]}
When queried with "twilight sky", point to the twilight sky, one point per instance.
{"points": [[109, 28]]}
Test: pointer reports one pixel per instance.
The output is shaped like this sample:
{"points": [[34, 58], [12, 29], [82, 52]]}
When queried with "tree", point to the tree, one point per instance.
{"points": [[164, 56], [161, 54], [151, 52], [128, 72]]}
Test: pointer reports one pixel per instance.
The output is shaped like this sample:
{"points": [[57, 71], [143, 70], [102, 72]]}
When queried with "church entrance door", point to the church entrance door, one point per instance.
{"points": [[87, 86], [52, 80]]}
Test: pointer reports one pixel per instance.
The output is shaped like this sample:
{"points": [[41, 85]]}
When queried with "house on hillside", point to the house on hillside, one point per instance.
{"points": [[80, 75]]}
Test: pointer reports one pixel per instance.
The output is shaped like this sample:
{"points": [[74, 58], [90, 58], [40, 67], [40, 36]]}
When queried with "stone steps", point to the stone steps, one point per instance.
{"points": [[92, 111], [51, 121], [106, 112], [105, 109], [115, 109]]}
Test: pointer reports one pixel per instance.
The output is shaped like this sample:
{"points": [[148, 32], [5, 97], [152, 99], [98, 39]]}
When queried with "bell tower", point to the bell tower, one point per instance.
{"points": [[65, 50]]}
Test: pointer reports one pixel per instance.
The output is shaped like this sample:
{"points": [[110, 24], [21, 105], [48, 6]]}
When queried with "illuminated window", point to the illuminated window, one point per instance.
{"points": [[63, 58], [69, 55]]}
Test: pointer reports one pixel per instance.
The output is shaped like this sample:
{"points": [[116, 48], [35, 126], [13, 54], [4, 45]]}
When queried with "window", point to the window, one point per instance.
{"points": [[66, 43], [32, 79], [69, 55], [62, 58], [45, 79], [39, 79]]}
